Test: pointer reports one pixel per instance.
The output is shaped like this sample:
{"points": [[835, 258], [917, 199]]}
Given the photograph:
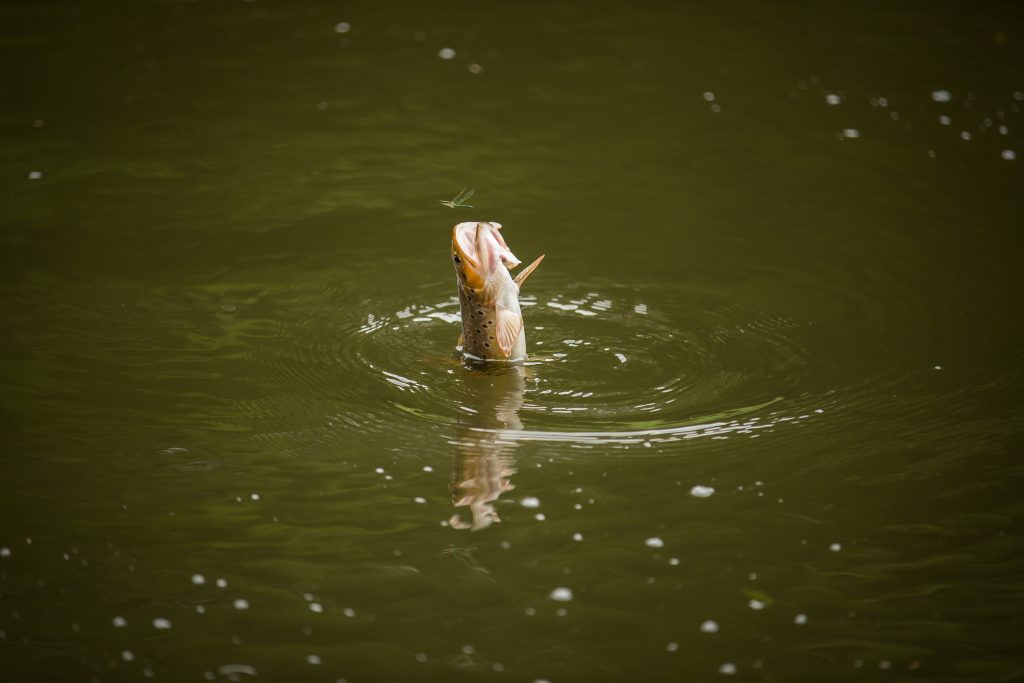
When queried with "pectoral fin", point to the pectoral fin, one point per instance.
{"points": [[525, 273], [510, 326]]}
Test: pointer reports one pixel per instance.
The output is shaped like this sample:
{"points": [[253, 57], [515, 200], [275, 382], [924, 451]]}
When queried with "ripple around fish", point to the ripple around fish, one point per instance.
{"points": [[607, 364]]}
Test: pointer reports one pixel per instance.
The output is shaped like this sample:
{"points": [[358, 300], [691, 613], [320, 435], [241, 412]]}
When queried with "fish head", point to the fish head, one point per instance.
{"points": [[479, 251]]}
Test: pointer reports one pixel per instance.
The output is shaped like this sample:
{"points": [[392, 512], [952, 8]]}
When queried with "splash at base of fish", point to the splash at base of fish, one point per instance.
{"points": [[492, 320]]}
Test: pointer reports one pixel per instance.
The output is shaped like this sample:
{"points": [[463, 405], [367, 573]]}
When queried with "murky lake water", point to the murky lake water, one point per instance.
{"points": [[769, 430]]}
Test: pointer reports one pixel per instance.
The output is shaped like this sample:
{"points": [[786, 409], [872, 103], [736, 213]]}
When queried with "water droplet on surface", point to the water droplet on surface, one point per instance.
{"points": [[942, 95], [800, 619], [161, 623], [120, 622], [5, 552], [1008, 154], [727, 669], [222, 583], [835, 547], [577, 536], [699, 491], [475, 69], [530, 502], [709, 96], [756, 604], [127, 655], [965, 135], [654, 542], [316, 607], [561, 594], [342, 27], [313, 659], [833, 99], [241, 603], [35, 175], [709, 626], [851, 133], [198, 579], [446, 53], [420, 499], [945, 120]]}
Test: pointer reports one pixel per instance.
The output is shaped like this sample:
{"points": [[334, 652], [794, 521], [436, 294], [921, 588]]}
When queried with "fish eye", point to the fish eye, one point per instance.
{"points": [[457, 259]]}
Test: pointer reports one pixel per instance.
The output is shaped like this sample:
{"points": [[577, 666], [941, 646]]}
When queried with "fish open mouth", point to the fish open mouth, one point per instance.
{"points": [[481, 245]]}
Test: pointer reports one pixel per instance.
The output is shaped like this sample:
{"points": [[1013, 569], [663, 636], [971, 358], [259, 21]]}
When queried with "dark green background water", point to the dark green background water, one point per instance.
{"points": [[228, 317]]}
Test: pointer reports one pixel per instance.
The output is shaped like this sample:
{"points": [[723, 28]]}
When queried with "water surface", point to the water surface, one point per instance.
{"points": [[769, 426]]}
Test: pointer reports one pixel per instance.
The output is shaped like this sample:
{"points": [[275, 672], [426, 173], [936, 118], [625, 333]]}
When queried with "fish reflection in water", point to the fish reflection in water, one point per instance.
{"points": [[484, 464]]}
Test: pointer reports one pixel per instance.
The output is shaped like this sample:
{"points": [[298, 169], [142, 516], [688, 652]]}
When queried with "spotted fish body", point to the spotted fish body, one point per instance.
{"points": [[492, 320]]}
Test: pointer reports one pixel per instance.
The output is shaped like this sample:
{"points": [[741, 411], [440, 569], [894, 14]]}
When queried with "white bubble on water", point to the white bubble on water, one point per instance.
{"points": [[1008, 154], [348, 612], [699, 491], [530, 502], [727, 669], [654, 542], [420, 499], [222, 583], [475, 69], [198, 579], [756, 604], [833, 99], [835, 547], [120, 622], [945, 120], [446, 53], [965, 135], [674, 561], [709, 626], [342, 27], [316, 607], [561, 594], [709, 96], [851, 133], [5, 552], [577, 536], [313, 659], [942, 95], [161, 624], [127, 655], [35, 175], [428, 468], [1003, 130], [539, 517], [621, 357], [241, 603], [255, 496], [672, 647], [800, 619]]}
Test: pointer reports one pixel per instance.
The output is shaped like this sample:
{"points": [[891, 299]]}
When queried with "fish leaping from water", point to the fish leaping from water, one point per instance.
{"points": [[492, 321]]}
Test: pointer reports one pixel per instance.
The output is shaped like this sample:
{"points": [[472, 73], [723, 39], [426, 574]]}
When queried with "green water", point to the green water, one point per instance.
{"points": [[771, 429]]}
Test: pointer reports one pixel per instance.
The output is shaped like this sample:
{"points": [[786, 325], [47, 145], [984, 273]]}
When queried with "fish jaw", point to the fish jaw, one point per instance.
{"points": [[479, 251]]}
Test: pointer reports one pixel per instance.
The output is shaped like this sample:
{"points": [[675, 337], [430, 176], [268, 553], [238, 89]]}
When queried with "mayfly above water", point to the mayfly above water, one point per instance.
{"points": [[460, 199]]}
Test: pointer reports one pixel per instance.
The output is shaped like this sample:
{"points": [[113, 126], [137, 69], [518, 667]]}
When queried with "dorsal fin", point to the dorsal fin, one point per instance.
{"points": [[525, 272]]}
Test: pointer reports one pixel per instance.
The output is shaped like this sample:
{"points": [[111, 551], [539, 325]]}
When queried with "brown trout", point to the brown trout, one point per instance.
{"points": [[492, 322]]}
